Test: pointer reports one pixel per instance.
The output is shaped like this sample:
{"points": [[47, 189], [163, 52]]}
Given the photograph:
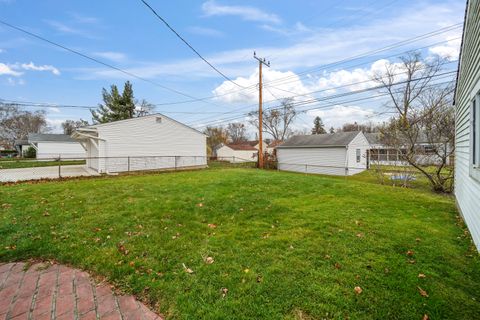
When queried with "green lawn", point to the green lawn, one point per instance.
{"points": [[16, 163], [285, 245]]}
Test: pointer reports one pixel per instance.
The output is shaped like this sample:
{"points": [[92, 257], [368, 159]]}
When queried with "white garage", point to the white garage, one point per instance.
{"points": [[343, 153], [238, 152], [144, 143]]}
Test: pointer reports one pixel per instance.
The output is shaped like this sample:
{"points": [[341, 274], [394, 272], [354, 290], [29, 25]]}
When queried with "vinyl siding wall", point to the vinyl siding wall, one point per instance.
{"points": [[146, 144], [359, 142], [313, 160], [228, 154], [467, 178], [51, 150]]}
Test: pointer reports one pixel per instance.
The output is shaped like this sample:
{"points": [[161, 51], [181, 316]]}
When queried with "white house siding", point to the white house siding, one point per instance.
{"points": [[359, 142], [147, 144], [467, 178], [313, 160], [51, 150], [92, 154], [237, 156]]}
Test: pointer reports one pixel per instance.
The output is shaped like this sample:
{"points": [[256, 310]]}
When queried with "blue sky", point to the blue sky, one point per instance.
{"points": [[299, 37]]}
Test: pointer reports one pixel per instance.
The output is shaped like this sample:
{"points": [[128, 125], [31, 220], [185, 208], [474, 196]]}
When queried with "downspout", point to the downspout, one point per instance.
{"points": [[346, 160]]}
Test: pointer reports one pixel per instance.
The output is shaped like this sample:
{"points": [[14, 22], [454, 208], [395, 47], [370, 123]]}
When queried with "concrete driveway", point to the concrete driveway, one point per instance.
{"points": [[37, 173]]}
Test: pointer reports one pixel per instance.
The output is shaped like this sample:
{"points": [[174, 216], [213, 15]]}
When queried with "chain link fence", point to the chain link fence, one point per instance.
{"points": [[16, 169]]}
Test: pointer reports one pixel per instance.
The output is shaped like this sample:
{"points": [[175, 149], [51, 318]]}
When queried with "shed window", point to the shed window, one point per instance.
{"points": [[358, 155], [476, 131]]}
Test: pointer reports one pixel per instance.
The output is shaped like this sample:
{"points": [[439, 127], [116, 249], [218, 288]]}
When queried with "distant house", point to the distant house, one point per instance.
{"points": [[272, 145], [144, 143], [467, 131], [51, 146], [238, 152], [381, 154], [343, 153]]}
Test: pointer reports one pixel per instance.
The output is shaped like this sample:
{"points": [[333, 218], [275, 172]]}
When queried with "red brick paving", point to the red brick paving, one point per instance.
{"points": [[45, 292]]}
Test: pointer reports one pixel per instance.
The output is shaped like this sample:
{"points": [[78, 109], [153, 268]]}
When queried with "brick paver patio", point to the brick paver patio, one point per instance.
{"points": [[46, 291]]}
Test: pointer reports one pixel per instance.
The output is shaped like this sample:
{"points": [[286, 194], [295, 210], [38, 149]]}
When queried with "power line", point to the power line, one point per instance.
{"points": [[319, 91], [188, 44], [99, 61], [343, 95], [339, 62]]}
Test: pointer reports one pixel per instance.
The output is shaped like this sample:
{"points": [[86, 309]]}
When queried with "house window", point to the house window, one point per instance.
{"points": [[358, 155], [476, 131]]}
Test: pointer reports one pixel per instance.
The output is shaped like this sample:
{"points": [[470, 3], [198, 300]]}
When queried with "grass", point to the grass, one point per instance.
{"points": [[16, 164], [285, 245]]}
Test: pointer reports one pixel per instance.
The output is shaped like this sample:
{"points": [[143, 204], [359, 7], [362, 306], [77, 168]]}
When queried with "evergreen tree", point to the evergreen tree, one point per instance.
{"points": [[332, 130], [115, 106], [318, 126]]}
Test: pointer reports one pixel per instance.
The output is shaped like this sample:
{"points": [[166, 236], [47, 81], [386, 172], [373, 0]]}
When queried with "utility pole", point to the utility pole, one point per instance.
{"points": [[261, 62]]}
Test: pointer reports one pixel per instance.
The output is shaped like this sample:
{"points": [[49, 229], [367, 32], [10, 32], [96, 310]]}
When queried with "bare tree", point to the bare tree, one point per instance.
{"points": [[423, 117], [69, 126], [215, 137], [16, 123], [237, 132], [277, 122]]}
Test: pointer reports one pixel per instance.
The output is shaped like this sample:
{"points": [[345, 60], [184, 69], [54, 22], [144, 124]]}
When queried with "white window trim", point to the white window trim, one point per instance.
{"points": [[358, 155], [475, 95]]}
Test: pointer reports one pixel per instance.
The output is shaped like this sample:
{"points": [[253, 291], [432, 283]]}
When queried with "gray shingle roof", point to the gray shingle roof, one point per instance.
{"points": [[39, 137], [320, 140], [373, 138]]}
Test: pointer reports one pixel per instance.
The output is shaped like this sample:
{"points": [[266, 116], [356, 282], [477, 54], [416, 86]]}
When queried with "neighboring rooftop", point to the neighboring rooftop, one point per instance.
{"points": [[49, 137], [275, 143], [241, 146], [373, 138], [339, 139]]}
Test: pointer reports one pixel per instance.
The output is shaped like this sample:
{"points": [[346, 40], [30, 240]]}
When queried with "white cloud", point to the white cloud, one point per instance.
{"points": [[8, 70], [112, 55], [211, 8], [228, 92], [67, 29], [449, 51], [339, 115], [313, 49], [32, 66], [202, 31], [54, 109], [2, 51], [55, 124], [15, 82]]}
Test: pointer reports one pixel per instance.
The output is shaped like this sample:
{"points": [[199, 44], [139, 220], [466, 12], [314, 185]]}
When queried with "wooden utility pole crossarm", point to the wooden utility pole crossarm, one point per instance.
{"points": [[261, 62]]}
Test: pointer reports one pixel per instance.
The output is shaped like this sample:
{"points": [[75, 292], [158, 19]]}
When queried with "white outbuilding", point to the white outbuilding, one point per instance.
{"points": [[51, 146], [144, 143], [343, 153], [238, 152]]}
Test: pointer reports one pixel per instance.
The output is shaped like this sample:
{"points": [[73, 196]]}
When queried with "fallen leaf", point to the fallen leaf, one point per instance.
{"points": [[212, 226], [423, 293], [337, 266], [6, 205], [200, 205], [209, 260], [187, 270], [425, 317], [259, 278], [224, 292], [132, 263], [410, 253], [421, 275], [360, 235], [246, 270], [418, 240], [327, 257], [358, 290], [412, 261], [46, 214]]}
